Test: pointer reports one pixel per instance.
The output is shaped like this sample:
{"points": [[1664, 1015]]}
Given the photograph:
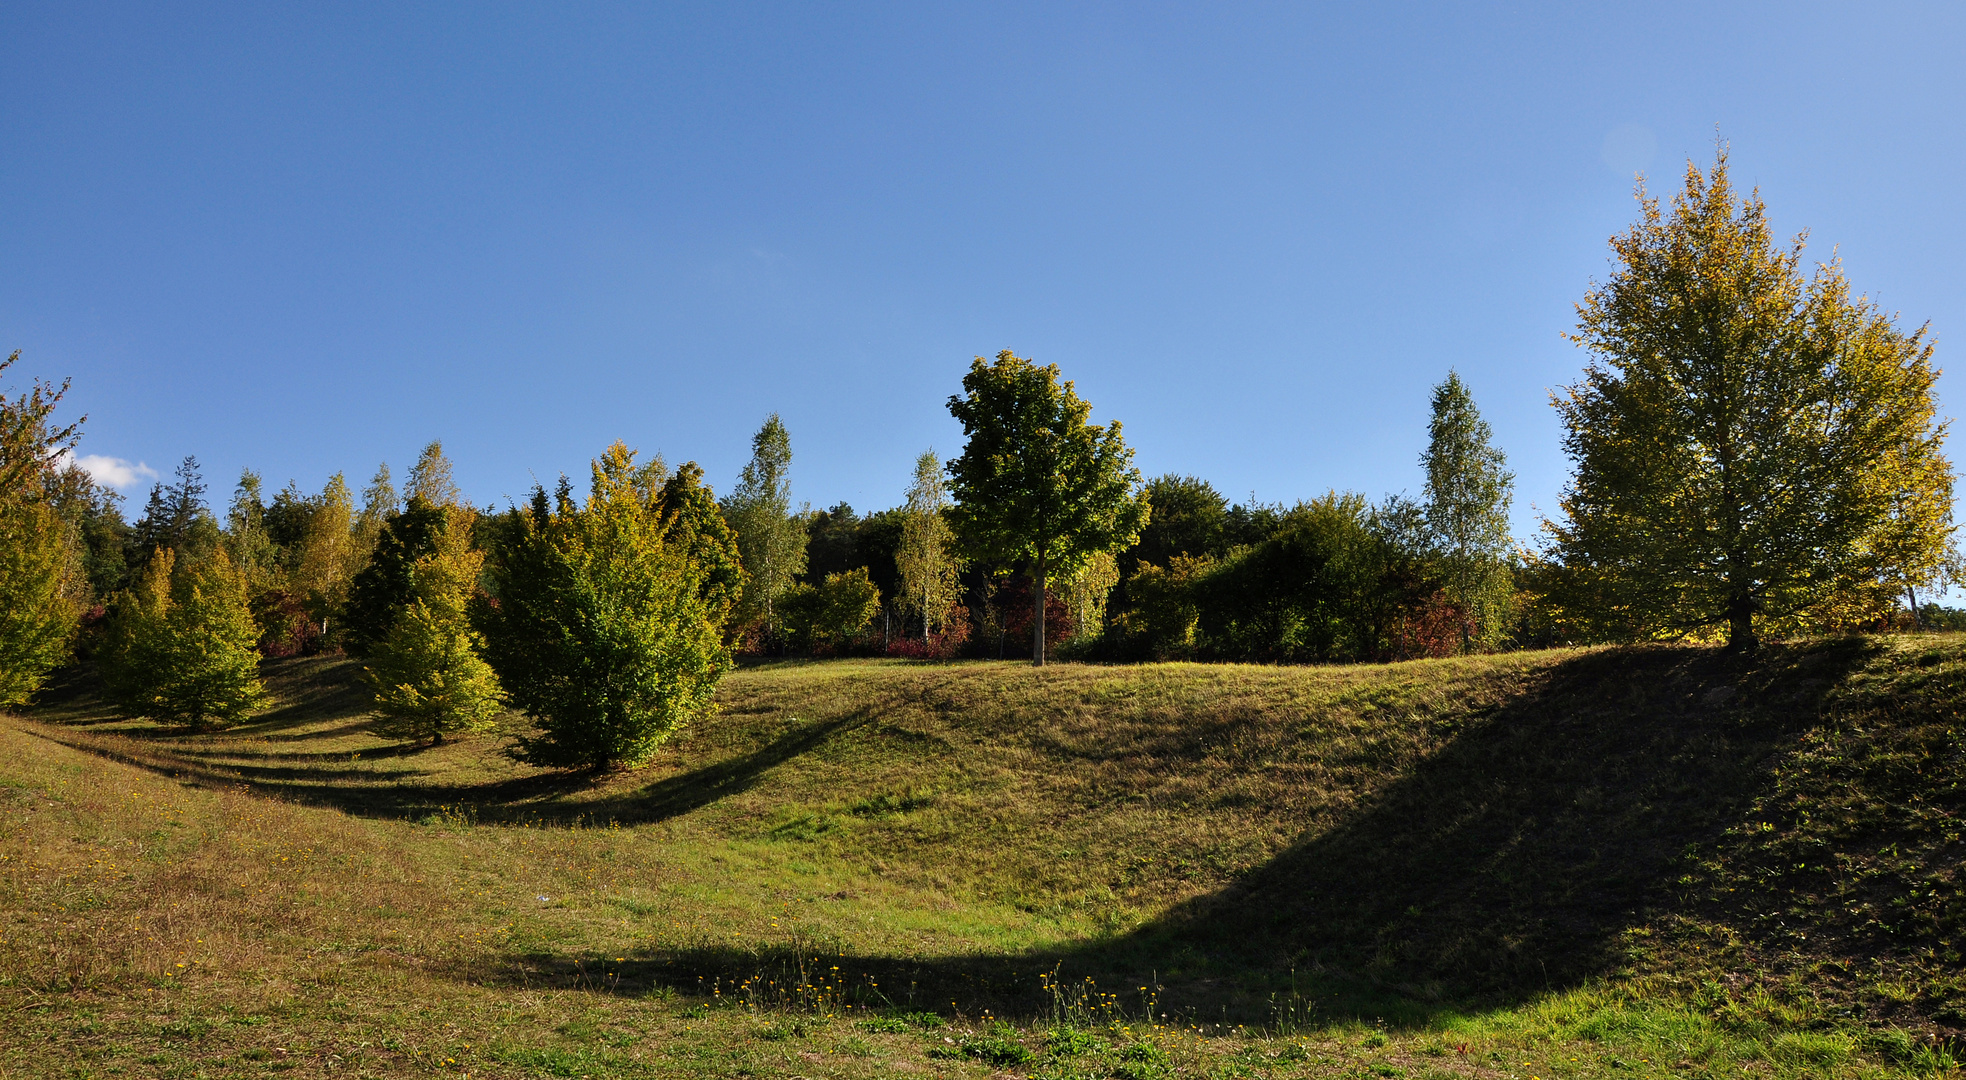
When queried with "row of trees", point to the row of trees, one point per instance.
{"points": [[1756, 452], [1042, 529]]}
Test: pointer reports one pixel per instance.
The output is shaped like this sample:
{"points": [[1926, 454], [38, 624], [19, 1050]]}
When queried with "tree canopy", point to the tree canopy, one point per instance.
{"points": [[1035, 482], [606, 618], [771, 539], [1753, 449], [1467, 511], [39, 567]]}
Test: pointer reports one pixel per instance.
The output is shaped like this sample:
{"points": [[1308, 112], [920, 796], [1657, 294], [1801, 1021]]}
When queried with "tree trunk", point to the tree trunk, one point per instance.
{"points": [[1037, 616], [1740, 624]]}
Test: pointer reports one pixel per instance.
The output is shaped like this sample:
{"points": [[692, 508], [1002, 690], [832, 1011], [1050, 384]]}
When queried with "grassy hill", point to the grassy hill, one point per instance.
{"points": [[1632, 862]]}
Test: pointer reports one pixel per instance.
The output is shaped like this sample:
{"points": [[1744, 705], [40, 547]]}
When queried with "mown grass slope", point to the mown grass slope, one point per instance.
{"points": [[1650, 859]]}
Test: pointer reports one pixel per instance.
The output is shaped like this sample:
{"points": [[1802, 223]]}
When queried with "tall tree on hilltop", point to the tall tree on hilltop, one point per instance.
{"points": [[379, 503], [1036, 483], [770, 538], [246, 540], [1752, 449], [322, 567], [926, 560], [1467, 510]]}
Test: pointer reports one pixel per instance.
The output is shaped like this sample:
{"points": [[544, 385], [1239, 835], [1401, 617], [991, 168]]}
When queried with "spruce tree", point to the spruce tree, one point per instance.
{"points": [[1468, 493], [428, 674], [387, 585]]}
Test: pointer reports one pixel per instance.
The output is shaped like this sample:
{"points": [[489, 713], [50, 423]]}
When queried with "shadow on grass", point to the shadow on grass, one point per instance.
{"points": [[241, 759], [1508, 863]]}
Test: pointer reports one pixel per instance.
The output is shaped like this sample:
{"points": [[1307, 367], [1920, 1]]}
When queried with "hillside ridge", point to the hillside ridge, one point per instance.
{"points": [[1775, 840]]}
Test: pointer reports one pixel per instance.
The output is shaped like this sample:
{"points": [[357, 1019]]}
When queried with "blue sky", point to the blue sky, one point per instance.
{"points": [[307, 240]]}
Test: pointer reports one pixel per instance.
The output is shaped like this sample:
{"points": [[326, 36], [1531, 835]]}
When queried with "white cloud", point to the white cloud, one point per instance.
{"points": [[113, 472]]}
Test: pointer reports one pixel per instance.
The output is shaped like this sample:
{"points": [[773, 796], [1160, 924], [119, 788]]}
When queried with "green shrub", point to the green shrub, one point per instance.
{"points": [[182, 648]]}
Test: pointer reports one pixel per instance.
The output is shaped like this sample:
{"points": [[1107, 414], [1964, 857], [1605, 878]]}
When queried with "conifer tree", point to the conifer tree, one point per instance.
{"points": [[1036, 483], [926, 560], [428, 674], [606, 625], [183, 647], [177, 518], [1753, 449], [387, 585], [771, 540], [1467, 511]]}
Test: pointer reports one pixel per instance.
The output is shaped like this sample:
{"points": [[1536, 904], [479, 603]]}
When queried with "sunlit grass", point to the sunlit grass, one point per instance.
{"points": [[864, 868]]}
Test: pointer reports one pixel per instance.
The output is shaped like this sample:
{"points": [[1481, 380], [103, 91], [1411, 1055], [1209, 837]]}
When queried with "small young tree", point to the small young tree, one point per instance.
{"points": [[182, 650], [926, 561], [607, 621], [1035, 482], [428, 673], [1467, 510], [770, 538]]}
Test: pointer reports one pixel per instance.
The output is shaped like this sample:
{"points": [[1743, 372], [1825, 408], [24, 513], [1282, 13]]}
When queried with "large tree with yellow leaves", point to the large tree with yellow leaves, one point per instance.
{"points": [[1755, 449]]}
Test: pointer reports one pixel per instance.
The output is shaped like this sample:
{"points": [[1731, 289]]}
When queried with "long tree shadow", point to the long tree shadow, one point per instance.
{"points": [[541, 798], [1508, 863]]}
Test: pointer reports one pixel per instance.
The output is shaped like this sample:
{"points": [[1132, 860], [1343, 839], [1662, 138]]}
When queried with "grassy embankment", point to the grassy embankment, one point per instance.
{"points": [[1624, 862]]}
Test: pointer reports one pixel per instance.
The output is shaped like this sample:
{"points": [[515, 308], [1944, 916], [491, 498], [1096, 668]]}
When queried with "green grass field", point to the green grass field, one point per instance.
{"points": [[1629, 862]]}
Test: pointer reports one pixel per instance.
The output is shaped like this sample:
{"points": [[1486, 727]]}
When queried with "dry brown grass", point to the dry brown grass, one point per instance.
{"points": [[298, 893]]}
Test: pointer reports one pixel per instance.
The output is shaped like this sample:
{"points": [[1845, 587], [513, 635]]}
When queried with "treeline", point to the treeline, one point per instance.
{"points": [[1337, 578], [1756, 452]]}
